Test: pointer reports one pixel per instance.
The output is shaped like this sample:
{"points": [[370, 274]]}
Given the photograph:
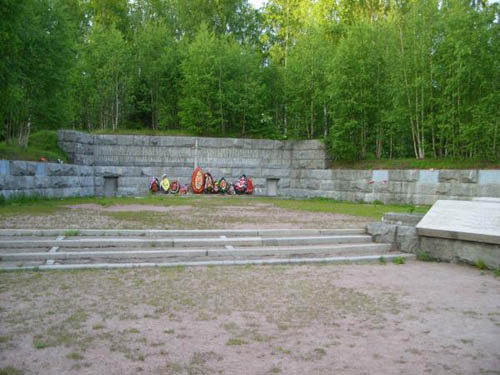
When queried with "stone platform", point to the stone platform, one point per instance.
{"points": [[477, 221]]}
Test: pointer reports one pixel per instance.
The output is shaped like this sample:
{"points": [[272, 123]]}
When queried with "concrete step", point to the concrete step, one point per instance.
{"points": [[134, 254], [8, 234], [183, 242], [341, 259]]}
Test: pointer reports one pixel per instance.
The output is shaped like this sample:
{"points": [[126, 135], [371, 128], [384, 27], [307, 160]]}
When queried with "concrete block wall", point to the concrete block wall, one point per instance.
{"points": [[45, 179]]}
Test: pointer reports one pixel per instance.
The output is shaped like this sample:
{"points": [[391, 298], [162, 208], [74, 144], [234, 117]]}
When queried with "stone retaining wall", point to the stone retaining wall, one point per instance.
{"points": [[400, 231], [133, 160], [286, 168], [291, 168], [45, 179]]}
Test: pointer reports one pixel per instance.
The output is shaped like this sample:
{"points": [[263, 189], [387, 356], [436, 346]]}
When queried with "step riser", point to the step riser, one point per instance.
{"points": [[339, 260], [346, 250], [207, 242], [182, 233]]}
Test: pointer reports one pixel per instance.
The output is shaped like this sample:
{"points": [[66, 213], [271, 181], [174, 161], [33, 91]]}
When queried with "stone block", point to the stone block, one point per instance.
{"points": [[309, 163], [490, 177], [382, 232], [275, 173], [102, 140], [359, 186], [384, 186], [428, 177], [41, 182], [463, 176], [319, 174], [350, 175], [410, 175], [380, 176], [407, 239], [309, 154], [4, 168], [463, 220], [461, 251], [308, 145], [326, 186], [488, 190], [22, 168]]}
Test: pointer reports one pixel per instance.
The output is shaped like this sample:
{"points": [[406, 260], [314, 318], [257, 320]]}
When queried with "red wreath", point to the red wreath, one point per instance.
{"points": [[198, 181], [249, 186]]}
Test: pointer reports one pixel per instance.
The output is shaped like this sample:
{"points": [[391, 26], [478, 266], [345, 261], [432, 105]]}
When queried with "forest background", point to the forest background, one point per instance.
{"points": [[374, 78]]}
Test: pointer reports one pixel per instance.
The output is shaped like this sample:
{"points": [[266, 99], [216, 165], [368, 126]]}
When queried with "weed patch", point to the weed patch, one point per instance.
{"points": [[10, 371], [399, 260], [424, 256], [480, 264], [236, 342]]}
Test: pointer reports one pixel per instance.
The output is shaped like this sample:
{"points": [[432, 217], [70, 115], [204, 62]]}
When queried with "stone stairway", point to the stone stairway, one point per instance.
{"points": [[74, 249]]}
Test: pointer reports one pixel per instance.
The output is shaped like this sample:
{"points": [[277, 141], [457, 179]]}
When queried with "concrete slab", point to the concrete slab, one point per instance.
{"points": [[462, 220]]}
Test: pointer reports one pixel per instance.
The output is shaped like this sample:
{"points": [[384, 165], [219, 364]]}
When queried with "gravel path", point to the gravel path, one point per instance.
{"points": [[417, 318]]}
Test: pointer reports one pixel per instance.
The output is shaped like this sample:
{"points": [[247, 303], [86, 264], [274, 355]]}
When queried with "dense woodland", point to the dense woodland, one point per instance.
{"points": [[374, 78]]}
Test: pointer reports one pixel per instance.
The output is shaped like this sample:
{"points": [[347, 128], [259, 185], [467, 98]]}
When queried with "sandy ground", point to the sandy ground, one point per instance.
{"points": [[248, 216], [416, 318]]}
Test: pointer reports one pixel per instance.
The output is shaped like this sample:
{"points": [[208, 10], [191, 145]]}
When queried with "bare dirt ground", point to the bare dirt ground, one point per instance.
{"points": [[247, 216], [416, 318]]}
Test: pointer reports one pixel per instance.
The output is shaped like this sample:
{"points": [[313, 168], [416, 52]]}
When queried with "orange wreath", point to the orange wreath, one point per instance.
{"points": [[198, 181]]}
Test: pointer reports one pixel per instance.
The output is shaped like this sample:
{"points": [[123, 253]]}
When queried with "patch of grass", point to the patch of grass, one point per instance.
{"points": [[480, 264], [496, 273], [75, 356], [236, 342], [4, 339], [30, 153], [375, 211], [39, 344], [10, 371], [399, 260], [315, 355], [71, 233], [382, 260], [424, 256]]}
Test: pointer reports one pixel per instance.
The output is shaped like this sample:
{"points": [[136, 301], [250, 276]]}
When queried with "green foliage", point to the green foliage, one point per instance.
{"points": [[21, 199], [376, 80], [481, 264], [399, 260], [424, 256], [10, 371], [14, 152], [382, 260]]}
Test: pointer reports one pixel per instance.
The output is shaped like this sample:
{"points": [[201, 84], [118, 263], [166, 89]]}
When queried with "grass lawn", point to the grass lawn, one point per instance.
{"points": [[40, 206]]}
